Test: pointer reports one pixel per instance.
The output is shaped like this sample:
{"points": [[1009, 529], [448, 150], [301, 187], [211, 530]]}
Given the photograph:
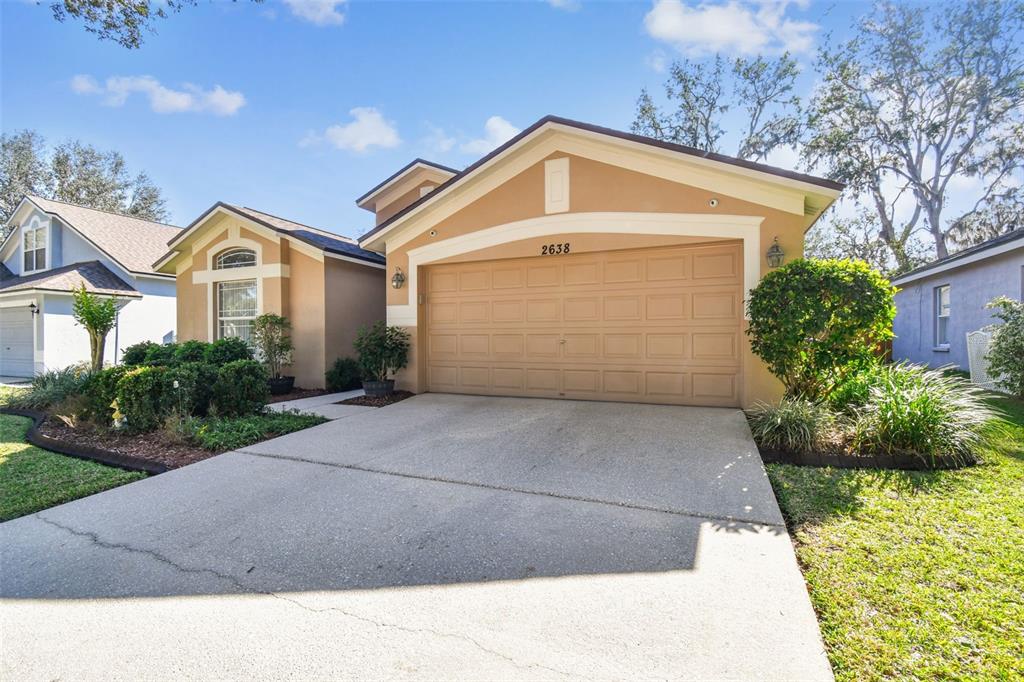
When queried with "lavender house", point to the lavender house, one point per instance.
{"points": [[939, 303]]}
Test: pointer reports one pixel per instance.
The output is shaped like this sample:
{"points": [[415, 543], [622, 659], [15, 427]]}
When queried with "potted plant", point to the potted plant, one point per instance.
{"points": [[273, 340], [382, 351]]}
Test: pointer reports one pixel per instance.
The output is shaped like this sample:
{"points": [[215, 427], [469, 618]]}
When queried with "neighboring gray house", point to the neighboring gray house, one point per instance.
{"points": [[54, 249], [939, 303]]}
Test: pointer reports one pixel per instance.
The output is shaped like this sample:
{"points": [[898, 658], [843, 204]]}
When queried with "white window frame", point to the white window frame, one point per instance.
{"points": [[941, 314], [220, 318], [218, 264], [36, 226]]}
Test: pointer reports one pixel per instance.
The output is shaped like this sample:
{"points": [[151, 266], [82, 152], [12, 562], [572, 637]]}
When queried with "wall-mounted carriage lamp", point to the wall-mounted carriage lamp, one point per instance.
{"points": [[34, 308], [775, 255], [399, 278]]}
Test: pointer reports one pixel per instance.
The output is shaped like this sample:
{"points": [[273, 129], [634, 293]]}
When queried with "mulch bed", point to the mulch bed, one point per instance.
{"points": [[844, 460], [367, 401], [152, 447], [297, 393]]}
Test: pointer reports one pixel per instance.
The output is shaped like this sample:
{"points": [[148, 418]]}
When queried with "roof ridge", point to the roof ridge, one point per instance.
{"points": [[101, 210], [294, 222]]}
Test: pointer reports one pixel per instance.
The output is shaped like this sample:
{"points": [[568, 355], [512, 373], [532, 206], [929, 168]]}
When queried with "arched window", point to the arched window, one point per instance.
{"points": [[235, 258]]}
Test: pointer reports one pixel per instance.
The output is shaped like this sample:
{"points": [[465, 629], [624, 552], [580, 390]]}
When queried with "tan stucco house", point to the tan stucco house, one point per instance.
{"points": [[582, 262], [234, 263]]}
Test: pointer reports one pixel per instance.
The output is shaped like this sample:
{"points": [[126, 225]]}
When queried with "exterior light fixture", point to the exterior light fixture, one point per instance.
{"points": [[399, 278], [775, 255], [34, 308]]}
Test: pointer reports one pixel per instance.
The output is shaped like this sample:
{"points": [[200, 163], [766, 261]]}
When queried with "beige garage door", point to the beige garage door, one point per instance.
{"points": [[657, 325]]}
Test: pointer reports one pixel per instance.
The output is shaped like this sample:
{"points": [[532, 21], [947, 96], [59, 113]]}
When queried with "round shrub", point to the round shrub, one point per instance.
{"points": [[135, 354], [1006, 352], [160, 355], [194, 390], [241, 388], [794, 425], [100, 392], [915, 410], [142, 399], [815, 322], [344, 375], [190, 351], [223, 351]]}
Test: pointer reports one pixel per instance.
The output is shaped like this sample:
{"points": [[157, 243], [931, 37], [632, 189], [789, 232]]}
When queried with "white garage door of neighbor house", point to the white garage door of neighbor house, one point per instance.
{"points": [[657, 325], [16, 357]]}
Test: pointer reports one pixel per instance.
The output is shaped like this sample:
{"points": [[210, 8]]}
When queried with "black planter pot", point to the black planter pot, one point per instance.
{"points": [[281, 385], [379, 389]]}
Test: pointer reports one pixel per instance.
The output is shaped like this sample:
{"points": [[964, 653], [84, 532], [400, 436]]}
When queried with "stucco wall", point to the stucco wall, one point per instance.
{"points": [[970, 288], [355, 297]]}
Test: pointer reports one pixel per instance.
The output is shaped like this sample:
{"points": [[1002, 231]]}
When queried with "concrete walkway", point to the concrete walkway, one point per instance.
{"points": [[324, 405], [443, 537]]}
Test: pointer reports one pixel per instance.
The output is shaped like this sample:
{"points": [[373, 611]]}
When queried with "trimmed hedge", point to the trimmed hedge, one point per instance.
{"points": [[344, 375], [223, 351], [241, 388], [135, 354], [190, 351], [194, 391], [100, 392], [141, 398]]}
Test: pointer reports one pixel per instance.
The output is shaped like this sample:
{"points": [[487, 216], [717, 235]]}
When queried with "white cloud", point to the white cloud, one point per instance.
{"points": [[496, 132], [84, 84], [367, 129], [657, 61], [438, 140], [567, 5], [319, 12], [733, 26], [162, 100]]}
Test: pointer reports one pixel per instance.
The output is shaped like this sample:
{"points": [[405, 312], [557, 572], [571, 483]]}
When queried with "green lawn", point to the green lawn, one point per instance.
{"points": [[916, 575], [32, 479]]}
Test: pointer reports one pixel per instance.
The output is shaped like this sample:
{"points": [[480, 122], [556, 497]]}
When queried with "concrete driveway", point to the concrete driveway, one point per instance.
{"points": [[441, 537]]}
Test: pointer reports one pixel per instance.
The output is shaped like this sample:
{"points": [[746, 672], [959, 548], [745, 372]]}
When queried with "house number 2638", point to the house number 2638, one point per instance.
{"points": [[554, 249]]}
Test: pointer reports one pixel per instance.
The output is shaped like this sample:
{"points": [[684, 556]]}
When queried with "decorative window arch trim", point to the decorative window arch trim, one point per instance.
{"points": [[220, 259], [36, 223]]}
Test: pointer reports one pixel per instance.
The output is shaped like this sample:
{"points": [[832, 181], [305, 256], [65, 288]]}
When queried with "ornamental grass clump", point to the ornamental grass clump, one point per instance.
{"points": [[924, 412], [794, 425]]}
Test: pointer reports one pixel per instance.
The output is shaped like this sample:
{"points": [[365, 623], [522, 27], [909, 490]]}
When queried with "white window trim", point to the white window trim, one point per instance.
{"points": [[936, 305], [224, 252], [211, 277], [34, 224]]}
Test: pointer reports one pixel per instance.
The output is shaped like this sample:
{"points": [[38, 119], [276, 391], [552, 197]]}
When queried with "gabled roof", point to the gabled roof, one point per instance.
{"points": [[993, 247], [321, 239], [363, 201], [132, 243], [96, 278], [829, 186]]}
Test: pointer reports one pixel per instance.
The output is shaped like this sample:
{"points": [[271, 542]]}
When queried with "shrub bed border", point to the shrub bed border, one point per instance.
{"points": [[108, 457], [905, 462]]}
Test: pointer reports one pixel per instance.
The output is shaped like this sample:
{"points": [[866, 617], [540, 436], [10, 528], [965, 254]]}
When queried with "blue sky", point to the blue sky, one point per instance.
{"points": [[296, 107]]}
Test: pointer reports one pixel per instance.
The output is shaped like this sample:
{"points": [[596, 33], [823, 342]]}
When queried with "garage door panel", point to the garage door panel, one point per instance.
{"points": [[656, 325], [17, 355]]}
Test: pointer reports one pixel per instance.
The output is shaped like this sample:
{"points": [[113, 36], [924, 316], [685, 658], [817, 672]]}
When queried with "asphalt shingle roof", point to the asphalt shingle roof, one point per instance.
{"points": [[93, 274], [133, 243], [328, 241]]}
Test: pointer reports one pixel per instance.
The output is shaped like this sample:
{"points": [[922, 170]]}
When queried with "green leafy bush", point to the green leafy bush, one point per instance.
{"points": [[241, 388], [272, 337], [142, 399], [1006, 352], [855, 389], [190, 351], [815, 322], [223, 351], [382, 350], [344, 375], [135, 354], [194, 390], [912, 409], [52, 387], [100, 392], [794, 425], [221, 434], [161, 355]]}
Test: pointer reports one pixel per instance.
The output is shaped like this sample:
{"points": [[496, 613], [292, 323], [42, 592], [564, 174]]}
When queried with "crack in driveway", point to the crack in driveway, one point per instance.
{"points": [[512, 489], [95, 539]]}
